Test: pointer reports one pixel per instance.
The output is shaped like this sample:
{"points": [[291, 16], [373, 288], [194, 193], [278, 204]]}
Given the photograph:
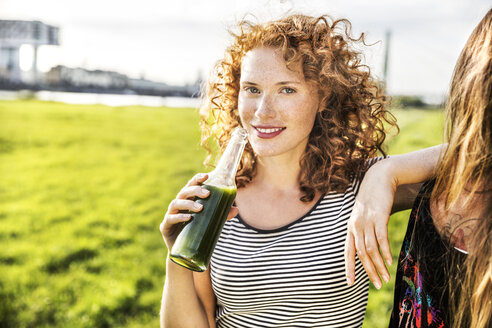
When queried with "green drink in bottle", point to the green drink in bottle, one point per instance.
{"points": [[195, 244]]}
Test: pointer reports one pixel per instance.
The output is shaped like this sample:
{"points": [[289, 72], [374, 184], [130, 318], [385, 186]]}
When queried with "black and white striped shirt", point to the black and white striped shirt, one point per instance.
{"points": [[292, 276]]}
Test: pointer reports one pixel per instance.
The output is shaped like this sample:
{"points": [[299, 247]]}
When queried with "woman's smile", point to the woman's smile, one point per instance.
{"points": [[267, 132]]}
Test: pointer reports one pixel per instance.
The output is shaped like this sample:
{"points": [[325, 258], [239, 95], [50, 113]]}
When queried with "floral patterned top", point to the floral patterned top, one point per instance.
{"points": [[421, 288]]}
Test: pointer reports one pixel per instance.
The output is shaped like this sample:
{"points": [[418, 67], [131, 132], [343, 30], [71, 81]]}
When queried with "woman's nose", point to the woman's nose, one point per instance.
{"points": [[265, 108]]}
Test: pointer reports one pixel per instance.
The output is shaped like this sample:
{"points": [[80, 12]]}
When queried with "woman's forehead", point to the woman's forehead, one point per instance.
{"points": [[269, 62]]}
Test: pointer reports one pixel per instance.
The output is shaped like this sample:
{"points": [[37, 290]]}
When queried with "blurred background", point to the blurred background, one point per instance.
{"points": [[99, 130]]}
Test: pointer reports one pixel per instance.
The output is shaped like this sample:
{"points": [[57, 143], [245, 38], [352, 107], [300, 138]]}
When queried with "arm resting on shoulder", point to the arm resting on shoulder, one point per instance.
{"points": [[409, 171], [390, 185]]}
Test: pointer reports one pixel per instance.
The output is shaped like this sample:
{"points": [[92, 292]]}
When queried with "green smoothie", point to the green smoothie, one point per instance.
{"points": [[195, 243]]}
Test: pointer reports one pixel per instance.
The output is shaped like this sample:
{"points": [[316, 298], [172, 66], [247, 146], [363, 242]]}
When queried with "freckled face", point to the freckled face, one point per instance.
{"points": [[276, 105]]}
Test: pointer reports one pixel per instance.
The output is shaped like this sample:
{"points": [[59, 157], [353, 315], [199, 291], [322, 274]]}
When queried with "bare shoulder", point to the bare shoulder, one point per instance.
{"points": [[458, 224]]}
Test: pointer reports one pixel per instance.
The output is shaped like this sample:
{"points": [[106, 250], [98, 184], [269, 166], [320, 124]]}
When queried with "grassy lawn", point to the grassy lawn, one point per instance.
{"points": [[82, 192]]}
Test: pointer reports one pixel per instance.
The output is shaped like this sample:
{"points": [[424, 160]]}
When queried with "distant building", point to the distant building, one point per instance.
{"points": [[14, 34], [150, 86], [63, 76], [83, 80]]}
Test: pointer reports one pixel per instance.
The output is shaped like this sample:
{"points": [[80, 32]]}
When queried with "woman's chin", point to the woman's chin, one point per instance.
{"points": [[265, 151], [268, 151]]}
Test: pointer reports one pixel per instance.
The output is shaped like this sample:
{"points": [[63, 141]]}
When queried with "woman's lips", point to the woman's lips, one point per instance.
{"points": [[268, 132]]}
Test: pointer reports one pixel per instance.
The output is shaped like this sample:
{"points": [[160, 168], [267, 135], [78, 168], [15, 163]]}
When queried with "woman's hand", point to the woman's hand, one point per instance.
{"points": [[179, 209], [367, 230]]}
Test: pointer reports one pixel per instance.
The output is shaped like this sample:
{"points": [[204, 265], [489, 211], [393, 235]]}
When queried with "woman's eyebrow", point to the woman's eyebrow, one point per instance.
{"points": [[278, 83], [248, 82], [288, 82]]}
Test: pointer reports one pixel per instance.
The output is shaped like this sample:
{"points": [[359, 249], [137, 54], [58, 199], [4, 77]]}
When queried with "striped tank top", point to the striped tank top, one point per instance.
{"points": [[292, 276]]}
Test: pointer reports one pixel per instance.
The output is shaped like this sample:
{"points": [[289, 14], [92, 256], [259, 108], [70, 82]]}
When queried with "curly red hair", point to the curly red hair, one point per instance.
{"points": [[348, 130]]}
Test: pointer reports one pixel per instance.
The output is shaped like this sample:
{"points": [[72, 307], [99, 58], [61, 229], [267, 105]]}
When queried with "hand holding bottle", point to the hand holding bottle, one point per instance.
{"points": [[175, 216]]}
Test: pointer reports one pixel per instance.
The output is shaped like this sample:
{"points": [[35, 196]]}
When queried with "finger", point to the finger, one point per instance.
{"points": [[374, 256], [350, 258], [233, 212], [360, 247], [193, 191], [177, 205], [382, 238], [171, 220], [197, 179]]}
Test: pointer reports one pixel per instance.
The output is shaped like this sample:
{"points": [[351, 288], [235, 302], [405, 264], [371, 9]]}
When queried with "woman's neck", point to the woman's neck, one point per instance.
{"points": [[278, 172]]}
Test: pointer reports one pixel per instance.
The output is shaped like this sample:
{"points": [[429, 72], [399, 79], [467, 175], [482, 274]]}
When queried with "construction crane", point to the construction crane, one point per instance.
{"points": [[14, 34]]}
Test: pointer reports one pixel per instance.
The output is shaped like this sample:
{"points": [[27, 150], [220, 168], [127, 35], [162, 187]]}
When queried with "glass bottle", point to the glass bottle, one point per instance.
{"points": [[195, 243]]}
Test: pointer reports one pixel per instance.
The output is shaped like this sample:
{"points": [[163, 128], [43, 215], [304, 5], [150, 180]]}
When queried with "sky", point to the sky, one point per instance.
{"points": [[178, 41]]}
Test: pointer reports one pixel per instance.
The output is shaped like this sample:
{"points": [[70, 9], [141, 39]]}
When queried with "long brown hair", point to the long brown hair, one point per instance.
{"points": [[465, 171], [347, 131]]}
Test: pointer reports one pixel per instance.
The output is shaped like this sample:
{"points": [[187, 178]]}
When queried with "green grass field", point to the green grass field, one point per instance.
{"points": [[82, 192]]}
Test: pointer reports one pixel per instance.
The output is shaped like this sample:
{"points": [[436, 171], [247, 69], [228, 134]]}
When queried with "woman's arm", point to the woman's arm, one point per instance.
{"points": [[388, 186], [203, 287], [187, 299], [181, 306]]}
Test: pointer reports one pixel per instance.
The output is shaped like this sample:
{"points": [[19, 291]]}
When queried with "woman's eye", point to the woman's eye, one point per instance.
{"points": [[288, 90], [252, 90]]}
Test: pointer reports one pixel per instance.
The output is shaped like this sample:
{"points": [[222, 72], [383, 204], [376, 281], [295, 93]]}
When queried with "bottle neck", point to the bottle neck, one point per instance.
{"points": [[225, 172]]}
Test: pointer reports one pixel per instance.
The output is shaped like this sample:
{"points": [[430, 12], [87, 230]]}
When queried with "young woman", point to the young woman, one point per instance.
{"points": [[444, 276], [315, 118]]}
